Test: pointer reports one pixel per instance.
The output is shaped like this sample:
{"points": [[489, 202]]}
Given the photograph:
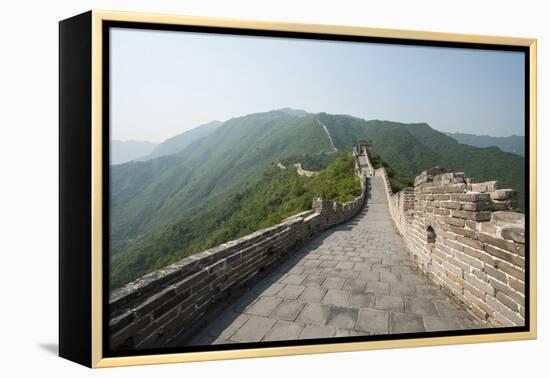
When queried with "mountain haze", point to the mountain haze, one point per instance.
{"points": [[179, 142], [125, 151], [513, 143], [147, 194], [415, 147]]}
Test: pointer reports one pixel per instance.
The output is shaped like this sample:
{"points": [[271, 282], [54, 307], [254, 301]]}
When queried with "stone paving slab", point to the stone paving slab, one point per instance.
{"points": [[354, 279]]}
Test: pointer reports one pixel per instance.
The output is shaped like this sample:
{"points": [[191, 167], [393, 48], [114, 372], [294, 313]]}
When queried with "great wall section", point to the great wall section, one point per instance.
{"points": [[447, 254], [464, 236]]}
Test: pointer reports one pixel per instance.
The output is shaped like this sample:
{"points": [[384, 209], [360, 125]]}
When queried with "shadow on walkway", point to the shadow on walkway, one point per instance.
{"points": [[227, 312], [353, 279]]}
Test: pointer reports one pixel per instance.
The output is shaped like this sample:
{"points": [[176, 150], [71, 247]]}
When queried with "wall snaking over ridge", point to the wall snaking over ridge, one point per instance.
{"points": [[156, 308]]}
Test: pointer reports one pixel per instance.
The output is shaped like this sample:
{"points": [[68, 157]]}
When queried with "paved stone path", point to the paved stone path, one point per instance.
{"points": [[354, 279]]}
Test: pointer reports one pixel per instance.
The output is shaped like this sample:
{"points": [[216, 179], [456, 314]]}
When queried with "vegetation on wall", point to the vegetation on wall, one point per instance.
{"points": [[313, 162], [398, 181]]}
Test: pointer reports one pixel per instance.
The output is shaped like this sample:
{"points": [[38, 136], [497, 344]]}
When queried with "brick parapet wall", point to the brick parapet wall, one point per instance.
{"points": [[465, 237], [154, 309]]}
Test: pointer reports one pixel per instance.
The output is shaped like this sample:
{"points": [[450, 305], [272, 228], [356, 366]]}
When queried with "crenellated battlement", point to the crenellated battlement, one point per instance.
{"points": [[466, 237]]}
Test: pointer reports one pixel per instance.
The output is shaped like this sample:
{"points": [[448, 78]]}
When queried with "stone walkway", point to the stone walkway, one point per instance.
{"points": [[354, 279]]}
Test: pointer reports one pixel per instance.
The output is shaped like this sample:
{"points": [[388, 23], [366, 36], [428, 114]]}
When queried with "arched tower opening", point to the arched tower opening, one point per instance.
{"points": [[430, 235]]}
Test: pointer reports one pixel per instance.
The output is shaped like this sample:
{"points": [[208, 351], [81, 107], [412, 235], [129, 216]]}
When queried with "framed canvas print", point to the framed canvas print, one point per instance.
{"points": [[235, 189]]}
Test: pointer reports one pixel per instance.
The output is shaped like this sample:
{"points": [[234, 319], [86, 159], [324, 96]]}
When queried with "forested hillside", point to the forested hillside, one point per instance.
{"points": [[275, 195], [149, 194], [412, 148]]}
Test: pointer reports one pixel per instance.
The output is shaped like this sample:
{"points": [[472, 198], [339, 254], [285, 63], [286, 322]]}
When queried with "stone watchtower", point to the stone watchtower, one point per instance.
{"points": [[362, 146]]}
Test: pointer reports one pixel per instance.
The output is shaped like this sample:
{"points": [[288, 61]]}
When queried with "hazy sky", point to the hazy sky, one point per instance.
{"points": [[163, 83]]}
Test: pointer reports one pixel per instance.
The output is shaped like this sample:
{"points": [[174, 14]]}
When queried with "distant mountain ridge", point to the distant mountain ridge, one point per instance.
{"points": [[178, 142], [125, 151], [412, 148], [147, 193], [513, 143]]}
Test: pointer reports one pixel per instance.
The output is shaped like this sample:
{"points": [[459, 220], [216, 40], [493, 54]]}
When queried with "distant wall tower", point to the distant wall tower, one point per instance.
{"points": [[362, 146]]}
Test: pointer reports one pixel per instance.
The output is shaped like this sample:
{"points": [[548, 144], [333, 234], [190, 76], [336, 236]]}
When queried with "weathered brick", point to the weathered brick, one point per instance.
{"points": [[445, 235], [442, 212], [502, 321], [461, 231], [454, 188], [129, 332], [443, 178], [450, 268], [500, 308], [484, 286], [478, 302], [479, 216], [504, 205], [438, 189], [478, 311], [470, 197], [488, 228], [516, 234], [480, 255], [470, 242], [170, 304], [500, 243], [191, 281], [436, 253], [121, 321], [443, 248], [154, 301], [517, 285], [507, 301], [503, 194], [488, 186], [511, 270], [504, 288], [459, 222], [481, 275], [508, 218], [453, 245], [436, 267], [174, 326], [450, 205], [501, 254], [459, 264], [453, 283], [470, 261], [495, 273], [472, 225], [478, 206], [521, 250]]}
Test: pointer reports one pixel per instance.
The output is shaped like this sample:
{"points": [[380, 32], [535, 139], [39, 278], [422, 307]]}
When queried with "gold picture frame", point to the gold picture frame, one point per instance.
{"points": [[93, 263]]}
